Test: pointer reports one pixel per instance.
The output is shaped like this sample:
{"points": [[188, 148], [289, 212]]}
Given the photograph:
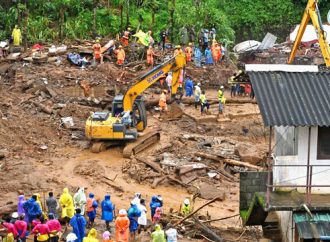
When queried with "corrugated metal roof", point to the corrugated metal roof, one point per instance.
{"points": [[312, 228], [292, 98]]}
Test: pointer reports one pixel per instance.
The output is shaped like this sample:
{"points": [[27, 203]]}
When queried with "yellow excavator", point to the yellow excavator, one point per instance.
{"points": [[107, 128], [312, 12]]}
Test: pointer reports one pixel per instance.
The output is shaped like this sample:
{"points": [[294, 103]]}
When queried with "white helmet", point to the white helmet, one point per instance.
{"points": [[122, 212], [14, 215], [186, 201], [198, 84], [221, 87]]}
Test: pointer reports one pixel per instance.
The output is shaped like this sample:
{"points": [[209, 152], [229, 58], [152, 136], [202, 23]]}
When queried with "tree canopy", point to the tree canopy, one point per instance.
{"points": [[55, 20]]}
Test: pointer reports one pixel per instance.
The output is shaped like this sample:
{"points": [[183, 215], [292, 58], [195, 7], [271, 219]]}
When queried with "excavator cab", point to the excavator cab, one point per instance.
{"points": [[139, 113]]}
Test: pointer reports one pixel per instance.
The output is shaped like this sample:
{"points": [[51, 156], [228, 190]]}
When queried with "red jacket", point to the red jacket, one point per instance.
{"points": [[54, 225], [21, 227], [10, 229]]}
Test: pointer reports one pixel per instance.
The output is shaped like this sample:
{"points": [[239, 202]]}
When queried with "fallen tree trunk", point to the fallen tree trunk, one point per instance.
{"points": [[198, 209], [152, 164], [228, 161], [43, 108], [208, 232]]}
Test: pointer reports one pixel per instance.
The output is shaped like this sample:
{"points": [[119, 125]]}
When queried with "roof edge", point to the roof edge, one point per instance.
{"points": [[284, 68]]}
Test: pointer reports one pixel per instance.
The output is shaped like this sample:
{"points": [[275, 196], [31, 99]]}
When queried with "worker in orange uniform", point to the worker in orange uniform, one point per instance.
{"points": [[216, 52], [177, 50], [189, 52], [162, 101], [150, 56], [120, 55], [125, 38], [97, 51], [122, 226]]}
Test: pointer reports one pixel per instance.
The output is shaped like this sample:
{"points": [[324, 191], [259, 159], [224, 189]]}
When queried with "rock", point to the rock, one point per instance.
{"points": [[250, 154], [209, 192]]}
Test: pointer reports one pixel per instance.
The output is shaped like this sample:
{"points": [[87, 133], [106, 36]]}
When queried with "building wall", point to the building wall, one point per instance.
{"points": [[297, 175], [286, 226]]}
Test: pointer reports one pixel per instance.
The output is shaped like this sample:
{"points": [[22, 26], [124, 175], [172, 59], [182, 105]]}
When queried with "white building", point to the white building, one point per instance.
{"points": [[295, 105]]}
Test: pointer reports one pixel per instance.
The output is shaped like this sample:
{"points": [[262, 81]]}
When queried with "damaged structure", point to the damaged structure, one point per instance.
{"points": [[292, 199]]}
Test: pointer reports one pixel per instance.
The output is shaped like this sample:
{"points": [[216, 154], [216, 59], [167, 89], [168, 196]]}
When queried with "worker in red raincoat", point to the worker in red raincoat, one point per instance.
{"points": [[97, 51], [120, 55]]}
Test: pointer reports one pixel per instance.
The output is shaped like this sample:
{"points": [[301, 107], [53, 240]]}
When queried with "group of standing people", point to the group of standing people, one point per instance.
{"points": [[79, 211]]}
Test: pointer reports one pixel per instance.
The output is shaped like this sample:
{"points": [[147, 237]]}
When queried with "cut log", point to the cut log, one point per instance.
{"points": [[151, 163], [43, 108], [228, 161], [208, 232]]}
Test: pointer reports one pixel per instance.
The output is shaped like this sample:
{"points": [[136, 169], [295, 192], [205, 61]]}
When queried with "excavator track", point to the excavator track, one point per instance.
{"points": [[98, 147], [141, 144]]}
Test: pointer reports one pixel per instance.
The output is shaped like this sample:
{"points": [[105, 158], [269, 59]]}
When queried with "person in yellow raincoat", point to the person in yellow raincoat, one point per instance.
{"points": [[66, 203], [38, 200], [92, 236], [17, 36]]}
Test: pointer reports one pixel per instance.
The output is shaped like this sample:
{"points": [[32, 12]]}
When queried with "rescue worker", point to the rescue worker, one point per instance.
{"points": [[21, 201], [177, 50], [197, 94], [97, 51], [188, 51], [221, 99], [91, 209], [189, 87], [17, 36], [52, 205], [157, 215], [208, 56], [66, 203], [11, 232], [162, 101], [150, 56], [158, 235], [122, 226], [197, 56], [133, 214], [185, 207], [38, 201], [125, 38], [171, 234], [216, 52], [108, 211], [142, 220], [126, 118], [169, 82], [204, 102], [155, 203], [32, 208], [92, 236], [21, 228], [120, 55], [78, 223], [41, 231], [80, 200], [54, 228]]}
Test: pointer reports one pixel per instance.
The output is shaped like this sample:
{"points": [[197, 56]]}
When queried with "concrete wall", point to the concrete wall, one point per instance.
{"points": [[285, 221], [250, 183], [297, 175]]}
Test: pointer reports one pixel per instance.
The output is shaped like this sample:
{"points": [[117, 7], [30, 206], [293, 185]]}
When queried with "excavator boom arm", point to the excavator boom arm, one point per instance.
{"points": [[175, 65], [312, 12]]}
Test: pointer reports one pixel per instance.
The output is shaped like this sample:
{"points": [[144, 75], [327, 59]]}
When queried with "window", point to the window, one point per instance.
{"points": [[323, 143], [286, 139]]}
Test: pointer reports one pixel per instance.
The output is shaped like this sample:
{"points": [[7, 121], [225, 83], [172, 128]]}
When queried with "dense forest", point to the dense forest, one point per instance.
{"points": [[234, 20]]}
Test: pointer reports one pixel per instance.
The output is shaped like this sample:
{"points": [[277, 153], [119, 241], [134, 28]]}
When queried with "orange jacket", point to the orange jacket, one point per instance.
{"points": [[97, 50], [122, 228], [89, 205]]}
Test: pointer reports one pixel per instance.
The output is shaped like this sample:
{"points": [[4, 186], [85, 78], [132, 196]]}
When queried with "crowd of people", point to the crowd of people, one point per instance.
{"points": [[69, 217]]}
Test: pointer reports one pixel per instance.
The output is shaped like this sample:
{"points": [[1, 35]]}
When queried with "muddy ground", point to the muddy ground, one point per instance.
{"points": [[40, 154]]}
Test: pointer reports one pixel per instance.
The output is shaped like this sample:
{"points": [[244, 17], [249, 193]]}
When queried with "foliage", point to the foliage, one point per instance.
{"points": [[236, 20]]}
